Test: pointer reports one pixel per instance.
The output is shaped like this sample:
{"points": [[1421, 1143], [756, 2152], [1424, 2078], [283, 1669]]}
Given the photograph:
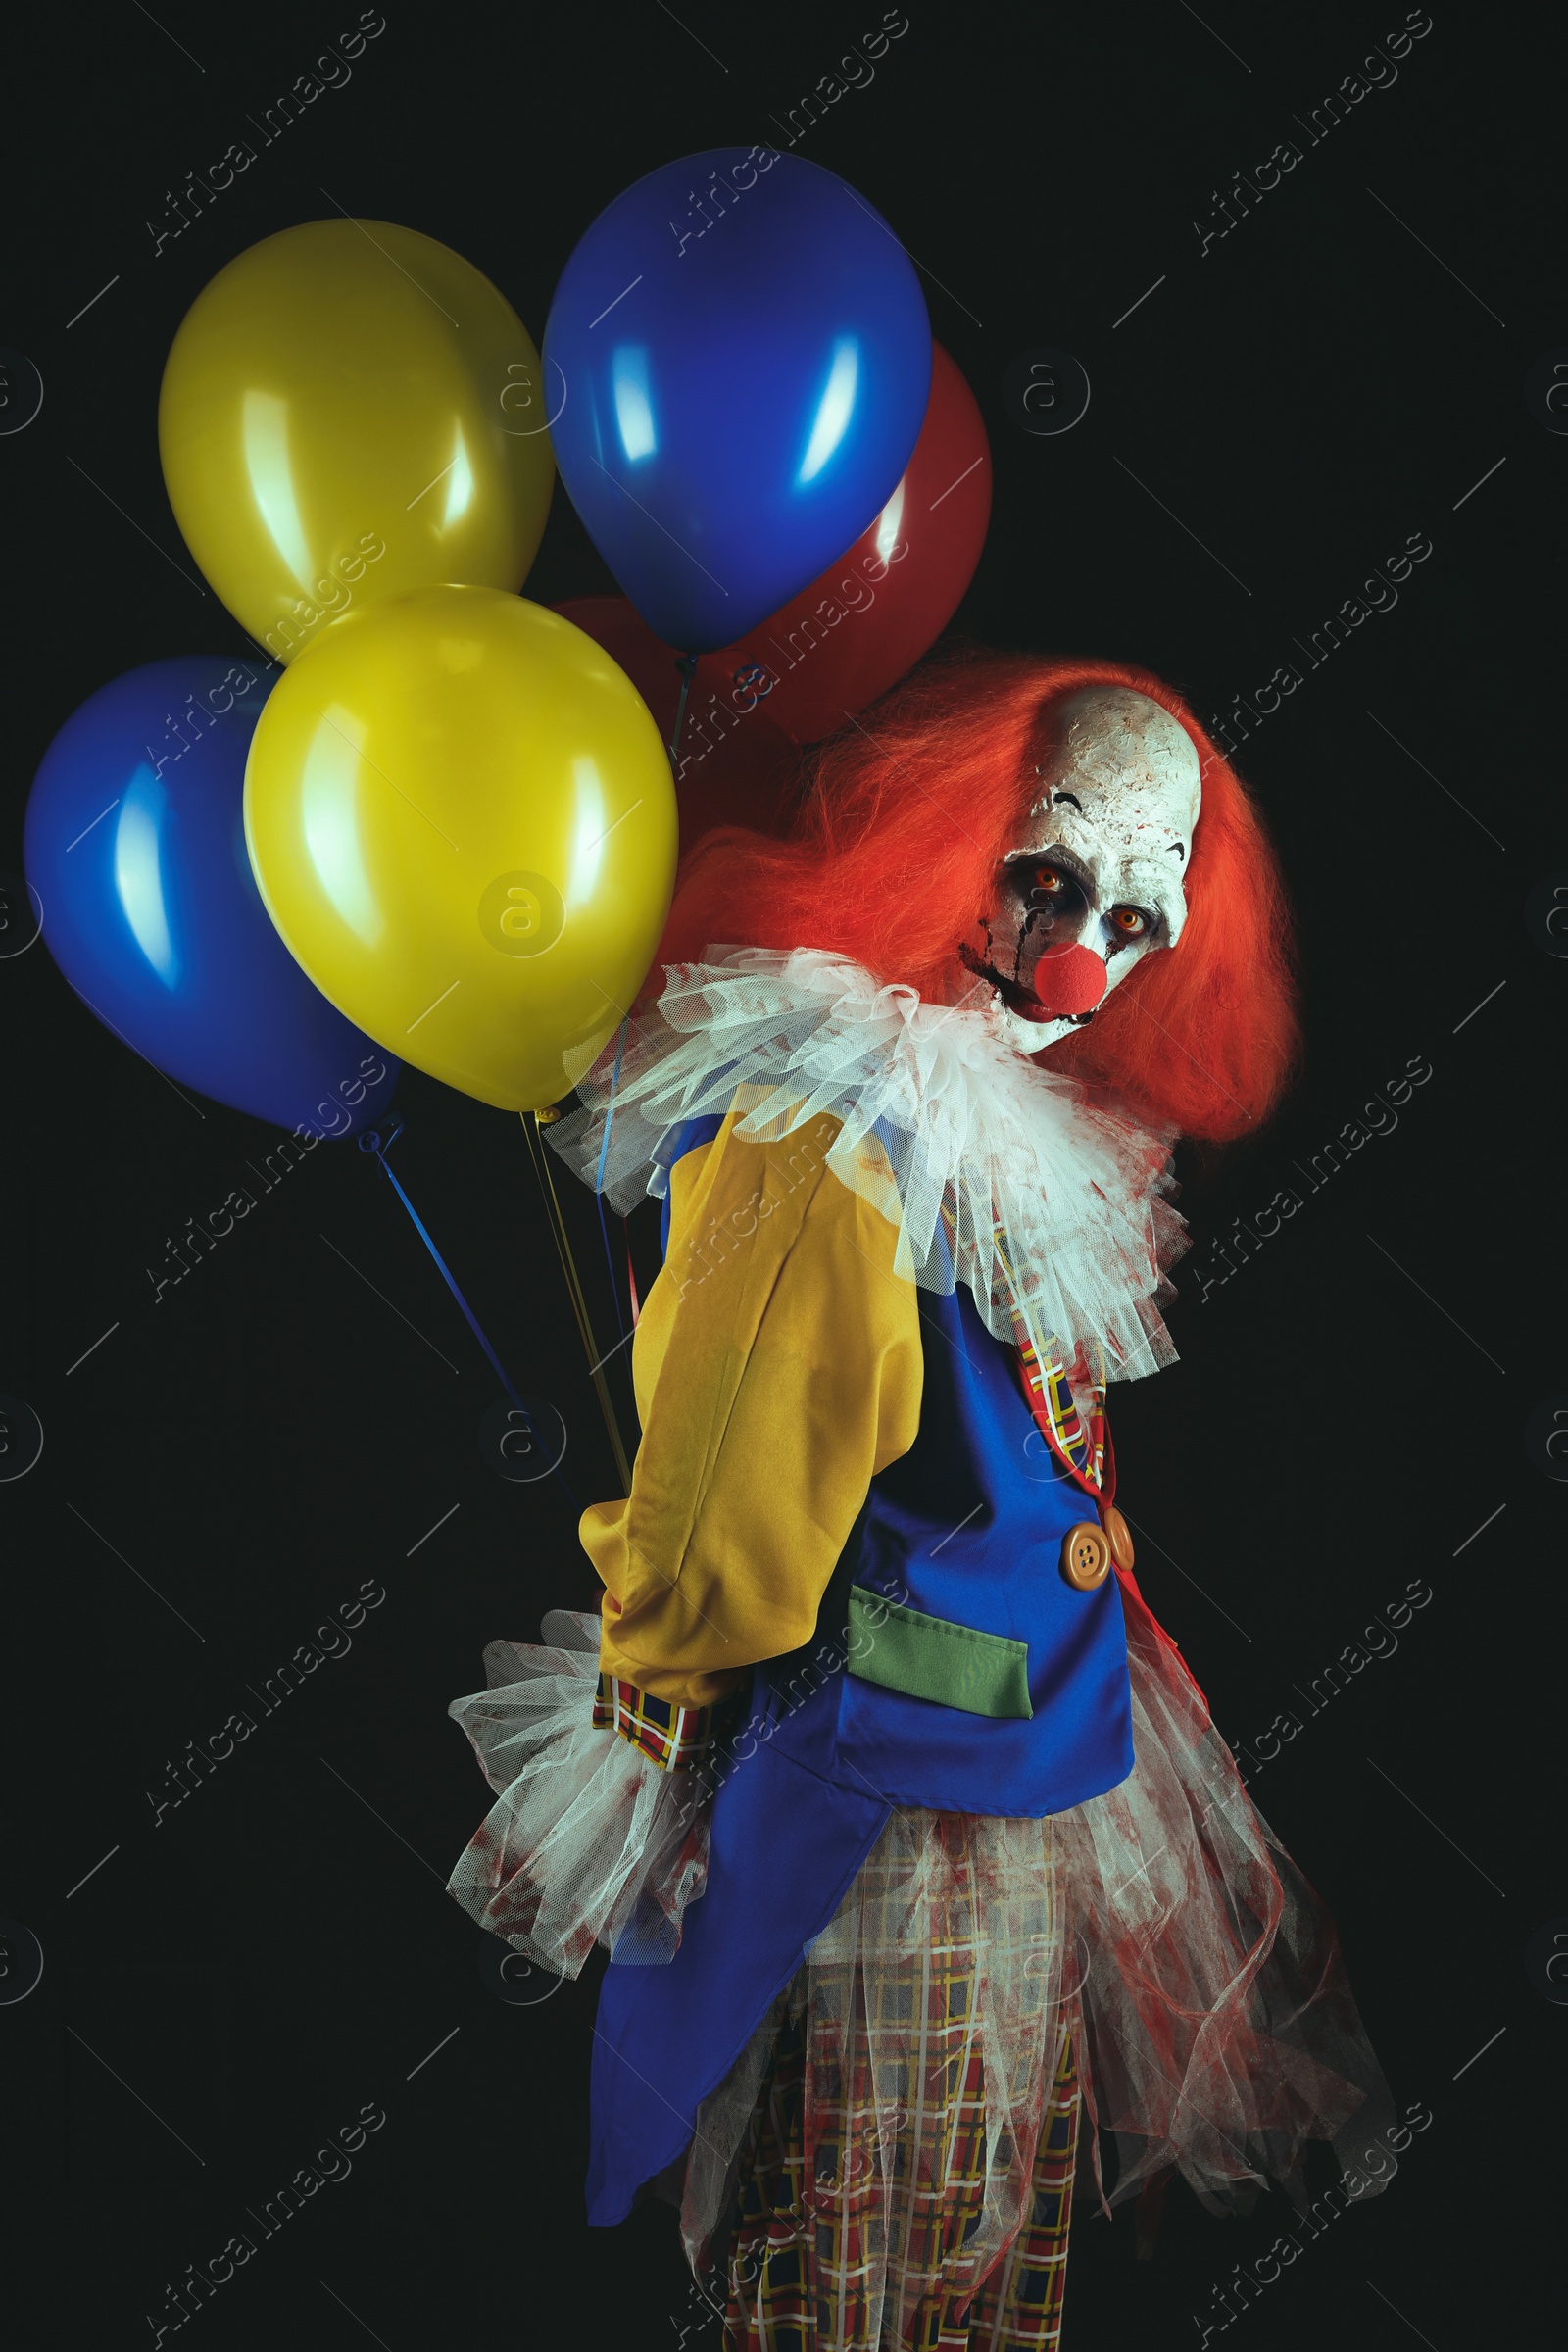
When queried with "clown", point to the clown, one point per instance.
{"points": [[902, 1819]]}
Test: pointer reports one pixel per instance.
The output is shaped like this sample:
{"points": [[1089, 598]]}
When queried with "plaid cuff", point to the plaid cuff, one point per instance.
{"points": [[673, 1737]]}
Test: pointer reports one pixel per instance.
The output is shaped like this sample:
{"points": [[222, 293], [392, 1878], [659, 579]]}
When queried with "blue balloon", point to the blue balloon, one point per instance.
{"points": [[135, 846], [738, 360]]}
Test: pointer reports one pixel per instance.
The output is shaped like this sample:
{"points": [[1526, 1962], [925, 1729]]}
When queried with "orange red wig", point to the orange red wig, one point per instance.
{"points": [[890, 856]]}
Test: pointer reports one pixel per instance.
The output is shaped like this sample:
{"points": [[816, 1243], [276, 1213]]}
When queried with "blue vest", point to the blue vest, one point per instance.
{"points": [[965, 1529]]}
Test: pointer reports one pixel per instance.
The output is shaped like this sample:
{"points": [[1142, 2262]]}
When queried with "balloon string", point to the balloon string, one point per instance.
{"points": [[574, 1290], [610, 1267], [598, 1178], [372, 1143], [631, 1278], [610, 1108], [688, 670]]}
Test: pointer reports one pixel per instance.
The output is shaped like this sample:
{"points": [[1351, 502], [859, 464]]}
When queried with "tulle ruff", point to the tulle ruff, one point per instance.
{"points": [[588, 1842], [1047, 1198]]}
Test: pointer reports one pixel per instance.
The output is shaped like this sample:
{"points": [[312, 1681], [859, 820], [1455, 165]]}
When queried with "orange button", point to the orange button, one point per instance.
{"points": [[1085, 1556], [1118, 1536]]}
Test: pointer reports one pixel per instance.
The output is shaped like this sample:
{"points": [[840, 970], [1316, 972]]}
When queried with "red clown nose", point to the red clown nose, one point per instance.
{"points": [[1069, 981]]}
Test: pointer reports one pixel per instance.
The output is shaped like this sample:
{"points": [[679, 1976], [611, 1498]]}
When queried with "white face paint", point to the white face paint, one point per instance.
{"points": [[1093, 882]]}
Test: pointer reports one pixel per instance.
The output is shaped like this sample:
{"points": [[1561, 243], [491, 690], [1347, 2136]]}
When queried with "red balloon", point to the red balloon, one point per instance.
{"points": [[856, 631], [735, 766]]}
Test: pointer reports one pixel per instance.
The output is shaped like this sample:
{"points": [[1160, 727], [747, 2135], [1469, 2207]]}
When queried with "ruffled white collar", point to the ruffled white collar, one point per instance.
{"points": [[1046, 1197]]}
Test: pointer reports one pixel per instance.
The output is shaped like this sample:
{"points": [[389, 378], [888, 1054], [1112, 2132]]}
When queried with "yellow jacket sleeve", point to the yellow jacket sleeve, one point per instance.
{"points": [[778, 1367]]}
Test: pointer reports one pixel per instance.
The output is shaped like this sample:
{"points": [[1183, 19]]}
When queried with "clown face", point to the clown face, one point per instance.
{"points": [[1095, 881]]}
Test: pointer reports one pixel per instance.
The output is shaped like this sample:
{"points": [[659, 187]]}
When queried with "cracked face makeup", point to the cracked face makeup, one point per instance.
{"points": [[1093, 882]]}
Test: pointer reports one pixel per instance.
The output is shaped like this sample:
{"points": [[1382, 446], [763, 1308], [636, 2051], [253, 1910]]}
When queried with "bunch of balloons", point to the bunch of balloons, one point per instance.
{"points": [[425, 818]]}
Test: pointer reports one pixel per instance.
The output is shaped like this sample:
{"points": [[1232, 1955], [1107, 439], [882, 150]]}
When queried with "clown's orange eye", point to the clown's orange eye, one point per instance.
{"points": [[1131, 921], [1050, 881]]}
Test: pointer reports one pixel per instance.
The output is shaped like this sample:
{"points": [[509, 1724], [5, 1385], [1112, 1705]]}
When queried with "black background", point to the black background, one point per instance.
{"points": [[233, 1983]]}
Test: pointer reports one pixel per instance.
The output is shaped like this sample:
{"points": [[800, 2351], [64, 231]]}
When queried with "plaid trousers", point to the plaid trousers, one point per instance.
{"points": [[796, 2286]]}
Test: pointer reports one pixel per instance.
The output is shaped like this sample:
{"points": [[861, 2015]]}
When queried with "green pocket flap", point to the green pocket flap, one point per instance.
{"points": [[927, 1657]]}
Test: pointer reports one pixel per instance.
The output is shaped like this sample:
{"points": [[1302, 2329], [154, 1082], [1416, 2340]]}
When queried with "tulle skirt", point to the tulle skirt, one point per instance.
{"points": [[1161, 1927], [870, 2157]]}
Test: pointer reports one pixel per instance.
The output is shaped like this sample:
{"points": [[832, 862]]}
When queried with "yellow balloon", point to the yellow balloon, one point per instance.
{"points": [[461, 819], [350, 411]]}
